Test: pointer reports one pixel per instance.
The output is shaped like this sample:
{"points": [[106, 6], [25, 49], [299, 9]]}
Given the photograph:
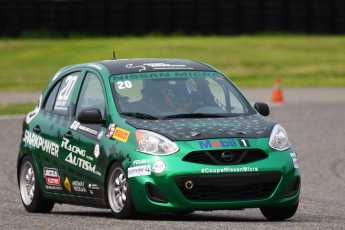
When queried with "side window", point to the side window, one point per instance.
{"points": [[225, 99], [65, 92], [91, 95], [51, 99]]}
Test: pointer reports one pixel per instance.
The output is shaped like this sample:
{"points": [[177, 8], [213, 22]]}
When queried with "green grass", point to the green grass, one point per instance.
{"points": [[23, 108], [254, 61]]}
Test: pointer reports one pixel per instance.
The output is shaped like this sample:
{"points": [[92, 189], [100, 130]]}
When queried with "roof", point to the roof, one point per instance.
{"points": [[142, 65]]}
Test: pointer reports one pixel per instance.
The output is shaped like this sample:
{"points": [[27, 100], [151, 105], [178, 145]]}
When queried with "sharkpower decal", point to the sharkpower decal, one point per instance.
{"points": [[40, 143]]}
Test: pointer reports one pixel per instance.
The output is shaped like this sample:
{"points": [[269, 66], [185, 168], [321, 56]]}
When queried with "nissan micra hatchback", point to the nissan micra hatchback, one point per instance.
{"points": [[154, 135]]}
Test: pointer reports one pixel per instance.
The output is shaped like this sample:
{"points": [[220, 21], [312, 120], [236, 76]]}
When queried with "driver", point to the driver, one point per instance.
{"points": [[177, 95]]}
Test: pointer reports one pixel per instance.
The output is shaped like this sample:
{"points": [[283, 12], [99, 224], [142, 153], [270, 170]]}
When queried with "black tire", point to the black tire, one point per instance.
{"points": [[279, 213], [119, 194], [30, 190]]}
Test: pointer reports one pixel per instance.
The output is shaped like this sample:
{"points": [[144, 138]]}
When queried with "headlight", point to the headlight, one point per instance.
{"points": [[154, 143], [279, 139]]}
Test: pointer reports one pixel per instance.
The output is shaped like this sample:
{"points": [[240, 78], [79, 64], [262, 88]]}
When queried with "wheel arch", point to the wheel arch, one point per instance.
{"points": [[110, 164], [20, 158]]}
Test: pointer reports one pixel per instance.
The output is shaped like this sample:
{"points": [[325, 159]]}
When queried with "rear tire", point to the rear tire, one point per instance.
{"points": [[30, 190], [279, 213], [119, 194]]}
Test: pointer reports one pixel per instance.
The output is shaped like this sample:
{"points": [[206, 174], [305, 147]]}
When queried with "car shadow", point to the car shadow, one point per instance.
{"points": [[196, 216]]}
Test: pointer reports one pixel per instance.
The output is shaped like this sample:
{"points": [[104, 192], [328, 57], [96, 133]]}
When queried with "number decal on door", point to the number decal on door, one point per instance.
{"points": [[67, 90], [65, 93]]}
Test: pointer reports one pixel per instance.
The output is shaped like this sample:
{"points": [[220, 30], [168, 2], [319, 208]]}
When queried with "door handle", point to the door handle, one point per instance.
{"points": [[68, 135], [37, 129]]}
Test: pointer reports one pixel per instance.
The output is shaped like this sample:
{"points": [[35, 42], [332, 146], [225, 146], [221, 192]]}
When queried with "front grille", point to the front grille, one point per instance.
{"points": [[228, 187], [225, 157]]}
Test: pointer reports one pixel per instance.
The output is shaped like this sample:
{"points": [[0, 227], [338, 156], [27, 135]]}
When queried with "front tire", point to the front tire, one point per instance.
{"points": [[119, 196], [30, 190], [279, 213]]}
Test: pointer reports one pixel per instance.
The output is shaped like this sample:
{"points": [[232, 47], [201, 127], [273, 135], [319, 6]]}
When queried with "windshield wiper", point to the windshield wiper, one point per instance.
{"points": [[140, 115], [196, 115]]}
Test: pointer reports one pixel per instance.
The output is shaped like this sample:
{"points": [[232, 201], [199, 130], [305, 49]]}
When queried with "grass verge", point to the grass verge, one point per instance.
{"points": [[28, 64], [11, 109]]}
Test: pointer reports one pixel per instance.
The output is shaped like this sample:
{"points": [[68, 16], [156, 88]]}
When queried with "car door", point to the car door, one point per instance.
{"points": [[80, 148], [48, 128]]}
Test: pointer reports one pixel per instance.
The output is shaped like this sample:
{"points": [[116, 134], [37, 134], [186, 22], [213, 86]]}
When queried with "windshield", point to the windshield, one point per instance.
{"points": [[183, 94]]}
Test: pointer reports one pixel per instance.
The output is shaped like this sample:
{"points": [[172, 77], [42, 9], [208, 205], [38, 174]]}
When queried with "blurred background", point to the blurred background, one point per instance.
{"points": [[142, 17], [252, 41]]}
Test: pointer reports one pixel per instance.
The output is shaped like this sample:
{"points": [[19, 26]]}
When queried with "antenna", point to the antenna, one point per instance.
{"points": [[114, 58]]}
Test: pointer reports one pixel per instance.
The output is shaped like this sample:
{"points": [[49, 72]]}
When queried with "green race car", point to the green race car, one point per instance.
{"points": [[154, 135]]}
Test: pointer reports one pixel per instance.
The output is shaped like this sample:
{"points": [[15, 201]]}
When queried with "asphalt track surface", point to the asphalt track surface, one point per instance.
{"points": [[315, 122]]}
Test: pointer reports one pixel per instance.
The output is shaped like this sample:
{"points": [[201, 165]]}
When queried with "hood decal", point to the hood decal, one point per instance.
{"points": [[253, 126]]}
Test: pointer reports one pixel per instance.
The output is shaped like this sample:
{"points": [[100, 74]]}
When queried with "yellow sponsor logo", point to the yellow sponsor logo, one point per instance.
{"points": [[121, 134], [67, 185]]}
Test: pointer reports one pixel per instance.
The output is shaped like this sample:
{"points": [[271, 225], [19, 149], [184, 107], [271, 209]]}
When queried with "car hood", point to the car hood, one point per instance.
{"points": [[253, 126]]}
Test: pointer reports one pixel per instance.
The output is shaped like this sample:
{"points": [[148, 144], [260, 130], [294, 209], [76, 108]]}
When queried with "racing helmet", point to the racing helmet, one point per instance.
{"points": [[177, 93]]}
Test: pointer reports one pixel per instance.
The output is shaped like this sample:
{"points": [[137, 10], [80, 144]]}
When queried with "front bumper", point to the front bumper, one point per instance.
{"points": [[183, 186]]}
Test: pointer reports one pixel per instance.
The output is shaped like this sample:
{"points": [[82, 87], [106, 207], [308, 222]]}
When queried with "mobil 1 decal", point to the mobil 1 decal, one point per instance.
{"points": [[244, 142], [223, 143]]}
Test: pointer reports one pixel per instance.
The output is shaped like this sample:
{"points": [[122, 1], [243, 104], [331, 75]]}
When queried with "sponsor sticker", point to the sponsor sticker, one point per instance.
{"points": [[76, 125], [158, 167], [121, 134], [82, 163], [142, 170], [110, 131], [76, 157], [67, 185], [141, 162], [221, 143], [93, 186], [79, 186], [52, 178], [229, 170], [54, 181], [96, 151]]}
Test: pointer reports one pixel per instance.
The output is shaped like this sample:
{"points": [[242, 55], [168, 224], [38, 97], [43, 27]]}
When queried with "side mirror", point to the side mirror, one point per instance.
{"points": [[91, 116], [262, 108]]}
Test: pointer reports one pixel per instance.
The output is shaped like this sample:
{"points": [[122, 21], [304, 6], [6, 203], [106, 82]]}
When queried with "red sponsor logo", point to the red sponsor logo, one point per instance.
{"points": [[55, 181]]}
